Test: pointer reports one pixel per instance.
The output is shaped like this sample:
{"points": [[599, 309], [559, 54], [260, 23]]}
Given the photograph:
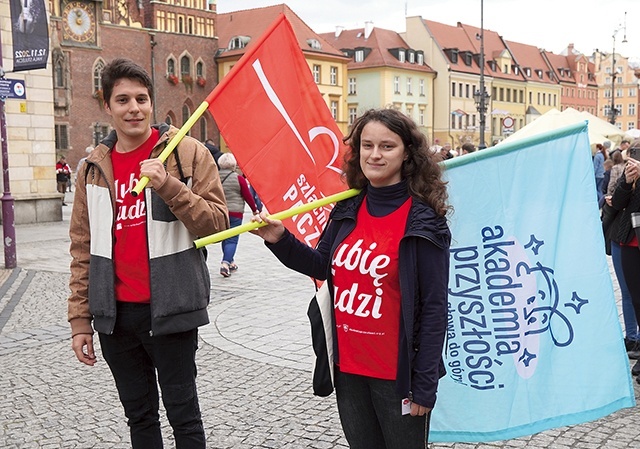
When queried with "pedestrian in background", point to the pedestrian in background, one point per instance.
{"points": [[626, 200], [135, 274], [63, 174], [598, 167], [388, 350], [237, 193], [468, 148]]}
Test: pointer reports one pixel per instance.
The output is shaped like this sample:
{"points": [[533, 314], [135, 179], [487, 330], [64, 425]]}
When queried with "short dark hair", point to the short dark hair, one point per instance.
{"points": [[469, 147], [624, 141], [124, 68]]}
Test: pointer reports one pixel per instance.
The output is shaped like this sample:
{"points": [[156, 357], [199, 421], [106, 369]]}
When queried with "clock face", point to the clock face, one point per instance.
{"points": [[79, 21]]}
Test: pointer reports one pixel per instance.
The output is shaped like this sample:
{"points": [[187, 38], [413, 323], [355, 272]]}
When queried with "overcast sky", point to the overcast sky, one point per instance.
{"points": [[548, 24]]}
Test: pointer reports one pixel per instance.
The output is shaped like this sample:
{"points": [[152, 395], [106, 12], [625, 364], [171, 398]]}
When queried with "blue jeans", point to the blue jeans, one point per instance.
{"points": [[371, 415], [134, 357], [599, 182], [229, 245], [628, 312]]}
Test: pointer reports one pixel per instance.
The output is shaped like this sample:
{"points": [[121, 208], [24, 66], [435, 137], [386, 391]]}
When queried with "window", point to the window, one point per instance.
{"points": [[420, 59], [501, 90], [421, 116], [632, 109], [530, 97], [412, 57], [466, 90], [238, 42], [316, 73], [334, 109], [453, 121], [190, 25], [314, 43], [619, 92], [539, 98], [396, 84], [200, 69], [607, 93], [171, 67], [333, 76], [401, 55], [632, 92], [62, 137], [352, 86], [631, 125], [185, 114], [607, 80], [409, 87], [509, 95], [421, 87], [97, 75], [453, 89], [58, 73], [185, 66], [168, 120], [359, 55], [353, 114], [521, 96]]}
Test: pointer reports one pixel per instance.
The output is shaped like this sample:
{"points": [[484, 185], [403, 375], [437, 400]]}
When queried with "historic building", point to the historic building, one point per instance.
{"points": [[617, 90], [385, 71], [175, 40]]}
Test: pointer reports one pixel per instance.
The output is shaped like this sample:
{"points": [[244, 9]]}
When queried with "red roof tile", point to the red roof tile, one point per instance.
{"points": [[253, 23], [379, 41]]}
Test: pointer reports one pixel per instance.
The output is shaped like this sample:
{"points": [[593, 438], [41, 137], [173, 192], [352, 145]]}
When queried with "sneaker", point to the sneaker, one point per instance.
{"points": [[233, 267], [224, 270], [636, 369], [633, 348]]}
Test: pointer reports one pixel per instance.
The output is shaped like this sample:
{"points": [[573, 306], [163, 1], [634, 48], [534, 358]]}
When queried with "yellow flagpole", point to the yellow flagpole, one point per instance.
{"points": [[219, 236], [172, 144]]}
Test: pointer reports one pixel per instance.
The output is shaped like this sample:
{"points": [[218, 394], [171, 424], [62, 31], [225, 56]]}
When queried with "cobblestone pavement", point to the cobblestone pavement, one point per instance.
{"points": [[254, 364]]}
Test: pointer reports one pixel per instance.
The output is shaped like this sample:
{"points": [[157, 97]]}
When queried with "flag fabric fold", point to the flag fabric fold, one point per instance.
{"points": [[534, 339], [273, 118]]}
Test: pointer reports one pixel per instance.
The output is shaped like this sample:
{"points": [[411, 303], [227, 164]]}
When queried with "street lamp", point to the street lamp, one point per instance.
{"points": [[480, 96], [613, 112]]}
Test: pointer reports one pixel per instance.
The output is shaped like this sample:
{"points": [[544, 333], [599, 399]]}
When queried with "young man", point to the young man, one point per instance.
{"points": [[135, 272]]}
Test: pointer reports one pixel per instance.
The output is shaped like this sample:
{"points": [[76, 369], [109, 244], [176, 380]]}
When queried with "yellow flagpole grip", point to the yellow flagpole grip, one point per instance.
{"points": [[172, 144], [223, 235]]}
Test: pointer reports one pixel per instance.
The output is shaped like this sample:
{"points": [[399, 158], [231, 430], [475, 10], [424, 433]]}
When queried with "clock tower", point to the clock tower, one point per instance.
{"points": [[79, 22]]}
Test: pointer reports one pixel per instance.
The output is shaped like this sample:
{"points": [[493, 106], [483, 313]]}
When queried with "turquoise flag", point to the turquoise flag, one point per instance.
{"points": [[534, 340]]}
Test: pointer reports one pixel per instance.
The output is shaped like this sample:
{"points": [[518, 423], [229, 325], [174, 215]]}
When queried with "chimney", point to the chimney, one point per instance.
{"points": [[570, 47], [368, 28], [339, 30]]}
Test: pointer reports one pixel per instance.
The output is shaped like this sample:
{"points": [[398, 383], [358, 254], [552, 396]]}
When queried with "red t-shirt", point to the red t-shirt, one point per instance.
{"points": [[367, 294], [130, 248]]}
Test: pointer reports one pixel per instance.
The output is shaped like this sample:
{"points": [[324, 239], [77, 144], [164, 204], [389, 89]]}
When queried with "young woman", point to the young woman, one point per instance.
{"points": [[385, 255]]}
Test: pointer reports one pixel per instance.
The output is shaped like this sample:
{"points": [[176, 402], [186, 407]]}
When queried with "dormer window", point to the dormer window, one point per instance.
{"points": [[468, 58], [527, 71], [420, 59], [412, 57], [401, 56], [516, 70], [452, 53], [238, 42], [359, 56], [314, 43], [493, 65], [539, 73]]}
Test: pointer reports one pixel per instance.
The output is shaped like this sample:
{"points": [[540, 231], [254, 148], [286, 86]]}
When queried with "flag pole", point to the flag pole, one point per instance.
{"points": [[223, 235], [173, 143]]}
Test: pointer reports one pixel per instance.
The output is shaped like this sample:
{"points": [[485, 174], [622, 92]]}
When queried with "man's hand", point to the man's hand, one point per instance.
{"points": [[154, 170], [79, 343], [419, 410]]}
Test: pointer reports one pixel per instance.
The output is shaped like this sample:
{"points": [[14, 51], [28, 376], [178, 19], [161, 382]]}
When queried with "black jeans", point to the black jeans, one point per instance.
{"points": [[371, 415], [134, 357]]}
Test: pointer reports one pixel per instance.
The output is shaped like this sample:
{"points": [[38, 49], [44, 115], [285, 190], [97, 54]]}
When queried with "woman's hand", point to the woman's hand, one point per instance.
{"points": [[271, 233], [631, 170]]}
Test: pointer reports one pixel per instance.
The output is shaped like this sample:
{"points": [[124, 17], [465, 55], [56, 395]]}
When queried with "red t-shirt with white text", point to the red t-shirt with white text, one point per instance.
{"points": [[367, 294], [131, 251]]}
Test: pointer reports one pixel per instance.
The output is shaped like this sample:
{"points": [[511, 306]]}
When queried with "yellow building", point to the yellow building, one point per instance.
{"points": [[621, 91]]}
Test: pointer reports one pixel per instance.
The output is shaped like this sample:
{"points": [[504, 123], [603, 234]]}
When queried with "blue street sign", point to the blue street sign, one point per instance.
{"points": [[12, 89]]}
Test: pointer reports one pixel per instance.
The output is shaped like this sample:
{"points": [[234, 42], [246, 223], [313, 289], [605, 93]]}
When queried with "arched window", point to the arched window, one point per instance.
{"points": [[97, 75], [185, 116], [168, 120], [190, 24], [200, 69], [185, 66], [171, 67]]}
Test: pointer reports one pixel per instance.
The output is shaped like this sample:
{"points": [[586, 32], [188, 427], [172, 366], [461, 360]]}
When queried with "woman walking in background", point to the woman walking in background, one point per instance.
{"points": [[237, 193]]}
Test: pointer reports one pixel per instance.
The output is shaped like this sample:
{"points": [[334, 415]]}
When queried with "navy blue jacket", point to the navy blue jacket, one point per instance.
{"points": [[424, 275]]}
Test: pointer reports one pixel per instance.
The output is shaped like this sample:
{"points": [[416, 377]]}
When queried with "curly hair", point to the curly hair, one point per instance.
{"points": [[420, 169]]}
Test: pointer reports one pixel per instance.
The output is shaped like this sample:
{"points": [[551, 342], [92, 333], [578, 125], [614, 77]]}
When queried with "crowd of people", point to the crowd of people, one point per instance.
{"points": [[616, 173]]}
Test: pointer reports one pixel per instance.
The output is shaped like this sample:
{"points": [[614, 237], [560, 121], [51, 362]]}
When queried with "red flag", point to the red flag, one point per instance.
{"points": [[273, 118]]}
